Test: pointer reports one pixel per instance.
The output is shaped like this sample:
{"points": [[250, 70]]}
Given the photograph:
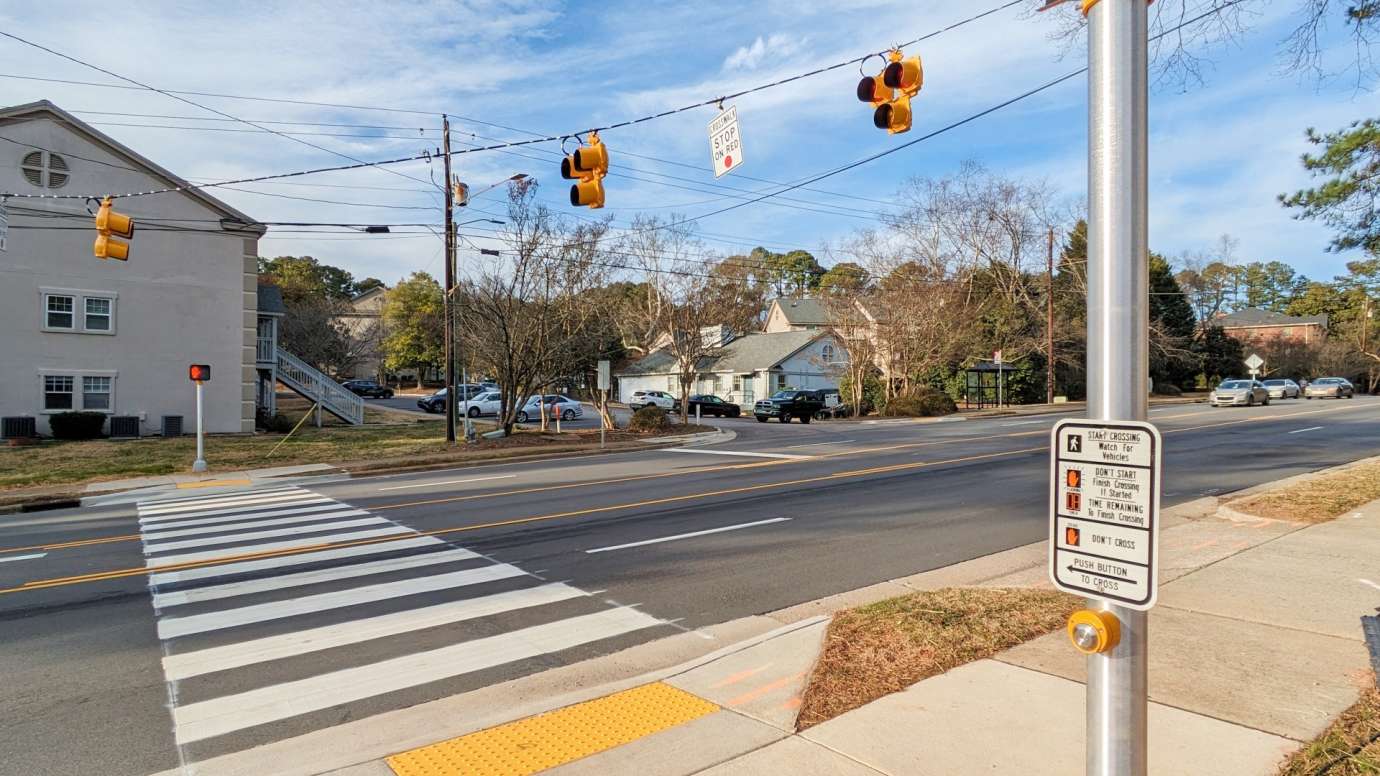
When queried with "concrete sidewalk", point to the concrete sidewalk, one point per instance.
{"points": [[1255, 646]]}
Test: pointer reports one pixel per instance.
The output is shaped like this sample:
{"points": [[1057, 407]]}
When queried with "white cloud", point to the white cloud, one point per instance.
{"points": [[776, 46]]}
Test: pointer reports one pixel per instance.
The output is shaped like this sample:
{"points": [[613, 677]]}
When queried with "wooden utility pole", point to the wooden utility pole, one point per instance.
{"points": [[450, 284], [1049, 324]]}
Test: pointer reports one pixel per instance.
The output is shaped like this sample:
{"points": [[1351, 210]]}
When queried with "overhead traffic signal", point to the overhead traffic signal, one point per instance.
{"points": [[589, 164], [109, 226], [901, 74]]}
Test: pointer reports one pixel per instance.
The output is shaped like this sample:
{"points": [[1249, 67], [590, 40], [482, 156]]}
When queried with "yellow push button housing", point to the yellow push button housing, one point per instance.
{"points": [[1093, 632]]}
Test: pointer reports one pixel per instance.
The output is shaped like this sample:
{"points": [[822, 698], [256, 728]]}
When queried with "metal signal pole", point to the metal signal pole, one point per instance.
{"points": [[1049, 325], [1118, 337], [450, 284]]}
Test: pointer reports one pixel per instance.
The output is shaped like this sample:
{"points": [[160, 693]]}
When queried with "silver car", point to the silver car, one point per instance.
{"points": [[1239, 393], [1330, 387], [1283, 389]]}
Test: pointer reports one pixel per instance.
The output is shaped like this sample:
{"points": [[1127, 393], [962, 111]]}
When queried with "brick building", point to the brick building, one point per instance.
{"points": [[1253, 325]]}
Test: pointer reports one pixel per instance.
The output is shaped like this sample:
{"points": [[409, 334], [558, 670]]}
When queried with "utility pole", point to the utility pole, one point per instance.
{"points": [[450, 284], [1049, 324], [1118, 338]]}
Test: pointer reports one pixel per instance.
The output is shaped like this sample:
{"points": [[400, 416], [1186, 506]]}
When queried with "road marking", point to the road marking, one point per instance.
{"points": [[162, 502], [155, 524], [1301, 430], [744, 453], [247, 566], [174, 627], [226, 714], [817, 444], [297, 530], [1024, 423], [450, 482], [214, 503], [232, 589], [225, 509], [33, 556], [244, 653], [688, 535], [154, 534], [291, 546]]}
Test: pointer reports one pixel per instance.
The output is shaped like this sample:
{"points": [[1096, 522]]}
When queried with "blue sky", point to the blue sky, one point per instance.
{"points": [[1220, 150]]}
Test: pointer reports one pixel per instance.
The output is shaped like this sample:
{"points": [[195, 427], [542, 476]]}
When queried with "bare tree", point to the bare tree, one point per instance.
{"points": [[856, 332]]}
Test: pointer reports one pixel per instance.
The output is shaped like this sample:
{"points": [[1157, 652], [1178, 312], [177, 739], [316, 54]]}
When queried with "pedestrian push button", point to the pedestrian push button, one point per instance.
{"points": [[1093, 632]]}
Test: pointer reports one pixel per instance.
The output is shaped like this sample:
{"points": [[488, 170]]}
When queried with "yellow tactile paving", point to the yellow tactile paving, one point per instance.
{"points": [[557, 737]]}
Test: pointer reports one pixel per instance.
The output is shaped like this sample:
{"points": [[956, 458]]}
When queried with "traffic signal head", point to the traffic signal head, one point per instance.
{"points": [[872, 89], [891, 90], [905, 74], [893, 116], [109, 226], [589, 164], [199, 373]]}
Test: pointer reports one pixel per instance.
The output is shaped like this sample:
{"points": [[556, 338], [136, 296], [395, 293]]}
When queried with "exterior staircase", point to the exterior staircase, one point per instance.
{"points": [[313, 385]]}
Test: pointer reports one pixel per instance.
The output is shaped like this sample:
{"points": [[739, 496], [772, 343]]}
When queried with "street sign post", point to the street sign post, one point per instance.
{"points": [[1253, 363], [603, 396], [4, 225], [1104, 510], [1001, 383], [725, 144], [199, 374]]}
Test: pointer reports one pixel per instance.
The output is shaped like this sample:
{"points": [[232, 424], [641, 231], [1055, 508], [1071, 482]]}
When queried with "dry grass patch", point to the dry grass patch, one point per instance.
{"points": [[1318, 499], [1349, 747], [885, 647]]}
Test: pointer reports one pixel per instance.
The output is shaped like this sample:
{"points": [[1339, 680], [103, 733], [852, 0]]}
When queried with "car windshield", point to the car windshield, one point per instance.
{"points": [[1234, 385], [783, 395], [1327, 381], [1274, 383]]}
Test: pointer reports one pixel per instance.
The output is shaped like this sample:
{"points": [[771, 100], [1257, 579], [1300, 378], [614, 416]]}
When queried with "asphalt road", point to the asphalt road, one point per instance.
{"points": [[419, 586]]}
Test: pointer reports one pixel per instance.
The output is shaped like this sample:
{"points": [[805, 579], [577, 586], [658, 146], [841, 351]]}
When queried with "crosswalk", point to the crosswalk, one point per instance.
{"points": [[280, 610]]}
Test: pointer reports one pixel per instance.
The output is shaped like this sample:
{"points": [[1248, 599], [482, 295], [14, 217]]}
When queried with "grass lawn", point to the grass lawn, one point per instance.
{"points": [[1319, 499], [1349, 747], [885, 647]]}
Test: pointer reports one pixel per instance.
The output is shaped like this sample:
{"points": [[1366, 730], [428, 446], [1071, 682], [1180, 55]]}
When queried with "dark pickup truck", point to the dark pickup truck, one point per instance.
{"points": [[784, 405]]}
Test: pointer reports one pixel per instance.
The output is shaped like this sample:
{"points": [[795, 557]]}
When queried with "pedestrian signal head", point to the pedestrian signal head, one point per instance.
{"points": [[589, 164], [109, 226], [199, 373]]}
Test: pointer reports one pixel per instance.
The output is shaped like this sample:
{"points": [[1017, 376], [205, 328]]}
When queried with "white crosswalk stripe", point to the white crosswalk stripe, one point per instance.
{"points": [[274, 604]]}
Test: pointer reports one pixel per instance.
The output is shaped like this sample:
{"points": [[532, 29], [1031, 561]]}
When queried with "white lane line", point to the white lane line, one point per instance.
{"points": [[300, 542], [245, 653], [732, 452], [173, 627], [31, 556], [177, 529], [203, 497], [159, 525], [226, 714], [301, 559], [232, 589], [209, 503], [1301, 430], [211, 541], [1024, 423], [277, 501], [688, 535], [450, 482], [817, 444]]}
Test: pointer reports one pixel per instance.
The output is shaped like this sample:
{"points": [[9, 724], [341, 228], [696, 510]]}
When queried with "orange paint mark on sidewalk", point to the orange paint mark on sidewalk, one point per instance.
{"points": [[792, 703], [1205, 545], [752, 695], [740, 676]]}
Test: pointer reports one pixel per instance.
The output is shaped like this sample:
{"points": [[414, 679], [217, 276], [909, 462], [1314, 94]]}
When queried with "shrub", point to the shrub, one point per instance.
{"points": [[1168, 389], [926, 402], [77, 425], [277, 423], [649, 419]]}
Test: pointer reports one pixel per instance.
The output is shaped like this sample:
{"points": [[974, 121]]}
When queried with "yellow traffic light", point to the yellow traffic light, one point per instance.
{"points": [[109, 226], [902, 74], [589, 164]]}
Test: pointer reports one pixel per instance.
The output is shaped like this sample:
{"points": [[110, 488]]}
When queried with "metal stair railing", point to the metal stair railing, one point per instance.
{"points": [[315, 386]]}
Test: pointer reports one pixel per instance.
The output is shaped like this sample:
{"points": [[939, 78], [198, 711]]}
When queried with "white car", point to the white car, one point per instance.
{"points": [[660, 399], [487, 403], [567, 408]]}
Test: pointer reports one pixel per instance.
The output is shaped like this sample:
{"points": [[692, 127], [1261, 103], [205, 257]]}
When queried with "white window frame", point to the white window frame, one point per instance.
{"points": [[71, 391], [47, 311], [109, 314], [827, 351], [109, 393], [78, 389], [78, 297]]}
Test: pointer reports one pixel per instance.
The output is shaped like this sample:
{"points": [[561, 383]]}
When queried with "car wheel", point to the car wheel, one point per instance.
{"points": [[1309, 398], [474, 412], [761, 419], [522, 417], [387, 394], [1250, 400], [805, 419], [1266, 402], [784, 418], [568, 415]]}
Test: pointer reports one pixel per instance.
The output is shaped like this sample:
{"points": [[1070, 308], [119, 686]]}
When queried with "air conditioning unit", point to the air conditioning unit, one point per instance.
{"points": [[172, 425], [124, 427], [18, 428]]}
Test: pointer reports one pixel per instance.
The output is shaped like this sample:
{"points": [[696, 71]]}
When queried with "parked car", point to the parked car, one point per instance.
{"points": [[1239, 392], [568, 408], [1282, 389], [369, 389], [709, 404], [436, 402], [660, 399], [487, 403], [784, 405], [1333, 387]]}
